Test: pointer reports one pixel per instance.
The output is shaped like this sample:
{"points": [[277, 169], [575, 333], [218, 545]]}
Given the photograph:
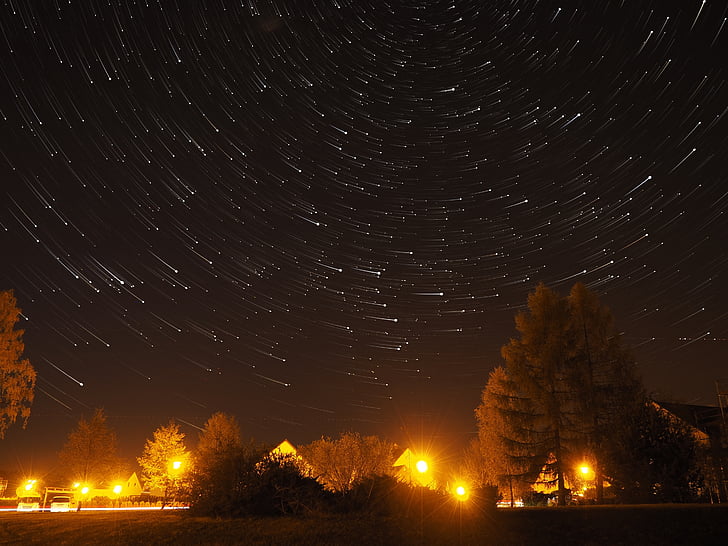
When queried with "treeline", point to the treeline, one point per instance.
{"points": [[566, 412], [227, 476]]}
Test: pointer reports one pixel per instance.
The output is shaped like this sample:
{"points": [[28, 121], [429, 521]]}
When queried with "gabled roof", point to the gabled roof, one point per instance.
{"points": [[284, 448], [706, 418], [133, 485], [405, 459], [668, 408]]}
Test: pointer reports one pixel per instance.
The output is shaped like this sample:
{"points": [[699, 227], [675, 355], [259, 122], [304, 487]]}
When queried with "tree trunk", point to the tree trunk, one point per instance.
{"points": [[561, 495], [510, 486], [599, 482]]}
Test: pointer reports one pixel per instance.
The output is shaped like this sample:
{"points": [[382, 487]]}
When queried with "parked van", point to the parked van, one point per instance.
{"points": [[29, 504]]}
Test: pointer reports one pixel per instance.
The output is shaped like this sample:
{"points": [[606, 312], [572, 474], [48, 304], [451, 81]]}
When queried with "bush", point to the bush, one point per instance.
{"points": [[388, 497], [282, 490], [377, 495], [246, 483]]}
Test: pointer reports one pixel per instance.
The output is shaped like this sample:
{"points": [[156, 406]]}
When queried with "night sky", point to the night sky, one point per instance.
{"points": [[323, 216]]}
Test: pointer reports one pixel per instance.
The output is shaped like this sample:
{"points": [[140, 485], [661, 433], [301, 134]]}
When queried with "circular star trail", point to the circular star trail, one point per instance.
{"points": [[323, 216]]}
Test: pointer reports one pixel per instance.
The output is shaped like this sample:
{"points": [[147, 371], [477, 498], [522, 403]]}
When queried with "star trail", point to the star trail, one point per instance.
{"points": [[322, 216]]}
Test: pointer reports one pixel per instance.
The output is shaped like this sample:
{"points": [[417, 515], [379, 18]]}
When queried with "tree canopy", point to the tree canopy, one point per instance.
{"points": [[220, 436], [340, 464], [90, 454], [17, 376], [504, 432], [165, 461], [565, 379]]}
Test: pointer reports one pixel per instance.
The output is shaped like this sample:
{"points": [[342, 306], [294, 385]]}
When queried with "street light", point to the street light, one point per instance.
{"points": [[461, 492], [587, 475]]}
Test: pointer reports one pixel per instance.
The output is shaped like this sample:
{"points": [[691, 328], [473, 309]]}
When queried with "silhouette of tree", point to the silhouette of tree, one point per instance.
{"points": [[17, 376], [90, 454]]}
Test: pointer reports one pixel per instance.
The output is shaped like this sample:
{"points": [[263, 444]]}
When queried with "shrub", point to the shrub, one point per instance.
{"points": [[246, 483]]}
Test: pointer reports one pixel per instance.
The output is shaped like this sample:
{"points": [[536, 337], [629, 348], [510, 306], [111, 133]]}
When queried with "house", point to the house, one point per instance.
{"points": [[705, 422], [415, 469], [120, 488], [708, 426], [286, 450]]}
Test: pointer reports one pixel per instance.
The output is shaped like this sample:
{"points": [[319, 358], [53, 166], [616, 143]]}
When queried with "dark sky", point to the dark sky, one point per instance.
{"points": [[322, 216]]}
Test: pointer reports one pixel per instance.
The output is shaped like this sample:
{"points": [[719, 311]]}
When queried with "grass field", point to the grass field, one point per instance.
{"points": [[643, 525]]}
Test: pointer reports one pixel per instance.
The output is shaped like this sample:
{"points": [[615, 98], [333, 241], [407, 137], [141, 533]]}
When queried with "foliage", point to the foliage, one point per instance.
{"points": [[504, 419], [654, 457], [248, 481], [90, 454], [17, 376], [214, 473], [606, 370], [389, 497], [159, 460], [565, 380], [340, 464], [222, 464], [538, 364], [220, 436], [224, 485], [282, 490], [474, 467]]}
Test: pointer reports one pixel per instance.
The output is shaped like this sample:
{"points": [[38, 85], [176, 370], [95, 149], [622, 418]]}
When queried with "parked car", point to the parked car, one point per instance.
{"points": [[61, 503]]}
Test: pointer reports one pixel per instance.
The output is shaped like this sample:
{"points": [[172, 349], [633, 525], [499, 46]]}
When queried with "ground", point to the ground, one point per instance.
{"points": [[664, 524]]}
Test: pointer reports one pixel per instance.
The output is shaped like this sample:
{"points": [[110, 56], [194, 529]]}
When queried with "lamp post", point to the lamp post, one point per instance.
{"points": [[175, 469], [587, 475], [423, 472]]}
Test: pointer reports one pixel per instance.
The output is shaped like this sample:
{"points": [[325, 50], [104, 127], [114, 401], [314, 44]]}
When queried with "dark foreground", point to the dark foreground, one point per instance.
{"points": [[613, 525]]}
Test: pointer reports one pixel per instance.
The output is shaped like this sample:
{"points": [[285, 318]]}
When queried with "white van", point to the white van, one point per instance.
{"points": [[29, 504]]}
